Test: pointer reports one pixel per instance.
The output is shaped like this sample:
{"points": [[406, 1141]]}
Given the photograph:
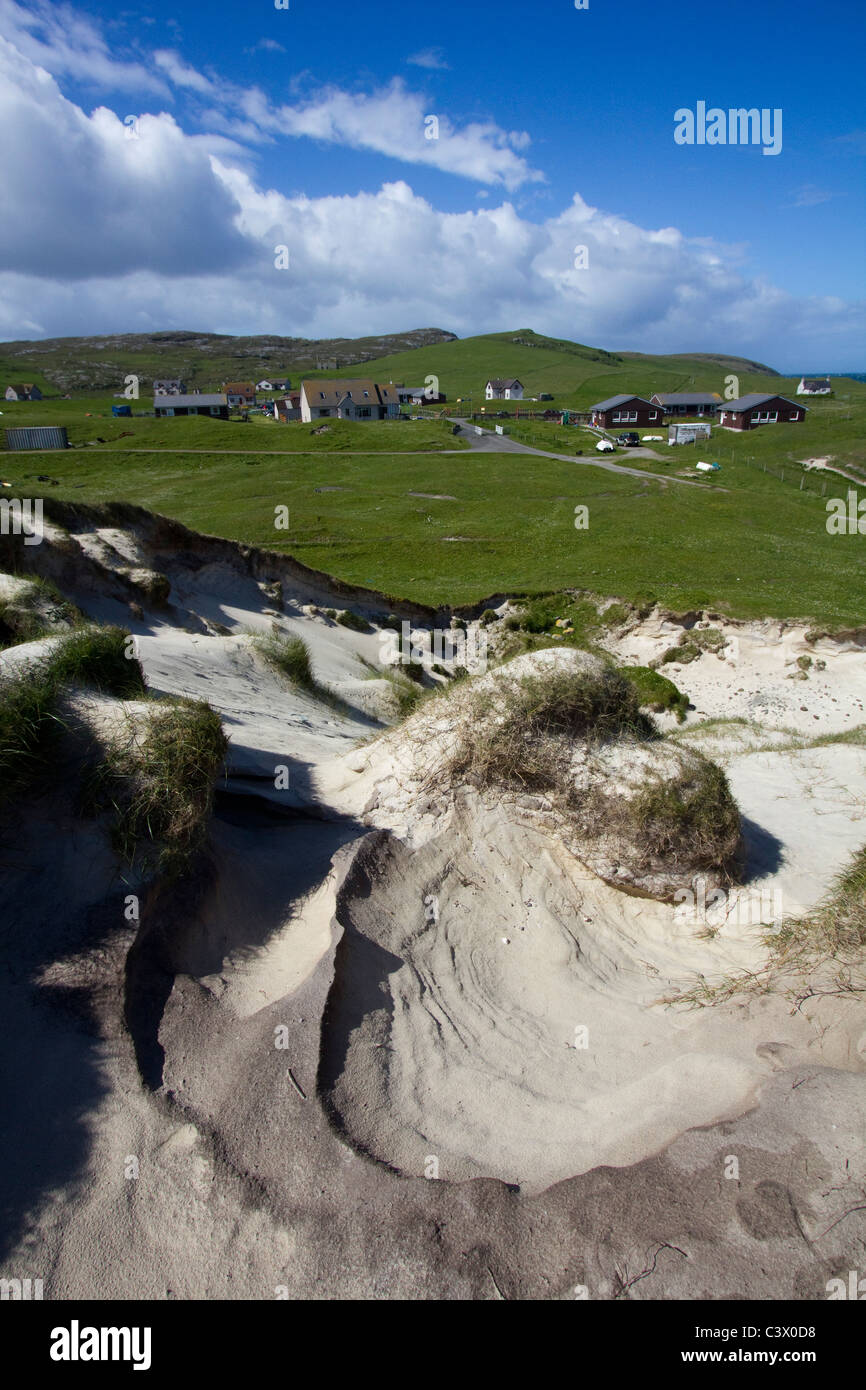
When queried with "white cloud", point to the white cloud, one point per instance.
{"points": [[393, 121], [390, 121], [808, 196], [266, 46], [180, 73], [79, 197], [433, 58], [63, 41], [102, 233]]}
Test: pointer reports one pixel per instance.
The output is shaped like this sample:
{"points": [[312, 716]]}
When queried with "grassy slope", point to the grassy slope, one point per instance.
{"points": [[201, 432], [200, 359], [760, 547], [576, 376]]}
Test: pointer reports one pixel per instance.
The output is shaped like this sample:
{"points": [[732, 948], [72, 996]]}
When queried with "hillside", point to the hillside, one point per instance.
{"points": [[713, 359], [574, 374], [199, 359]]}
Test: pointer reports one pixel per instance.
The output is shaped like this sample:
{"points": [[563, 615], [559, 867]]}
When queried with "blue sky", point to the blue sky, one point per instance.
{"points": [[258, 126]]}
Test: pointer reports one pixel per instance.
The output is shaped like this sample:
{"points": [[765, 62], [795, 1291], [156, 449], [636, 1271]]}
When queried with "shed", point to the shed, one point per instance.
{"points": [[37, 437], [687, 434]]}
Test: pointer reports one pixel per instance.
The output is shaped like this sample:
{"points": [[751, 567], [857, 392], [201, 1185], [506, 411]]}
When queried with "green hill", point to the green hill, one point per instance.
{"points": [[575, 375], [202, 360]]}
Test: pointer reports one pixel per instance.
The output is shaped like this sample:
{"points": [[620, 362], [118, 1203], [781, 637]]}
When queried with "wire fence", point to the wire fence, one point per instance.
{"points": [[816, 480]]}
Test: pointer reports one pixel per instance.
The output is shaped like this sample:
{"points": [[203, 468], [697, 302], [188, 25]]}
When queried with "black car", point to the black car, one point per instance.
{"points": [[628, 438]]}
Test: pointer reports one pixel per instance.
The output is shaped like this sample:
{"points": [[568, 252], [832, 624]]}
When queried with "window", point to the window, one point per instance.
{"points": [[654, 415], [321, 395]]}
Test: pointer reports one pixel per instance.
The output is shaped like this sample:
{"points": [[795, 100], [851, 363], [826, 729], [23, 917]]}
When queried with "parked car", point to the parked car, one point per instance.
{"points": [[628, 437]]}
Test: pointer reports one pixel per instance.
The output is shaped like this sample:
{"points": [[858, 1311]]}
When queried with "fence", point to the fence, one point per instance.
{"points": [[805, 480]]}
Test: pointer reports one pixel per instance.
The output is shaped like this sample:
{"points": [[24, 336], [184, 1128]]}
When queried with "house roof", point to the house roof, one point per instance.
{"points": [[21, 386], [172, 402], [499, 383], [812, 383], [613, 401], [327, 395], [238, 388], [687, 398], [750, 402]]}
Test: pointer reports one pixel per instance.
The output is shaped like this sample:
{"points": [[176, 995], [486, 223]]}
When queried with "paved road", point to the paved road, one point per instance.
{"points": [[490, 442]]}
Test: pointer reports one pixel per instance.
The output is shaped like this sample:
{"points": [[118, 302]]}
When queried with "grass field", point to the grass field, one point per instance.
{"points": [[89, 418], [831, 429], [746, 541], [759, 548]]}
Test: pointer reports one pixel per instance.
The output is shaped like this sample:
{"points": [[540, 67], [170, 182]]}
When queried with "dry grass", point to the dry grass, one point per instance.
{"points": [[37, 610], [821, 953], [692, 819], [30, 725], [519, 733], [158, 787], [290, 655]]}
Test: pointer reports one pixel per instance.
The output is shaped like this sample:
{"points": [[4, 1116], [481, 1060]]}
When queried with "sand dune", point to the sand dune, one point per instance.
{"points": [[403, 1038]]}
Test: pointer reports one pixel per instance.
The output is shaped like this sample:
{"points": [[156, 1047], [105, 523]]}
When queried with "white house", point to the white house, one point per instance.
{"points": [[240, 393], [500, 388], [351, 399], [23, 391], [814, 386]]}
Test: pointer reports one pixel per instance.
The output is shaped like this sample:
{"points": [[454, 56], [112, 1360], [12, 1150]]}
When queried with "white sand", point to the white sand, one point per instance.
{"points": [[453, 1038]]}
